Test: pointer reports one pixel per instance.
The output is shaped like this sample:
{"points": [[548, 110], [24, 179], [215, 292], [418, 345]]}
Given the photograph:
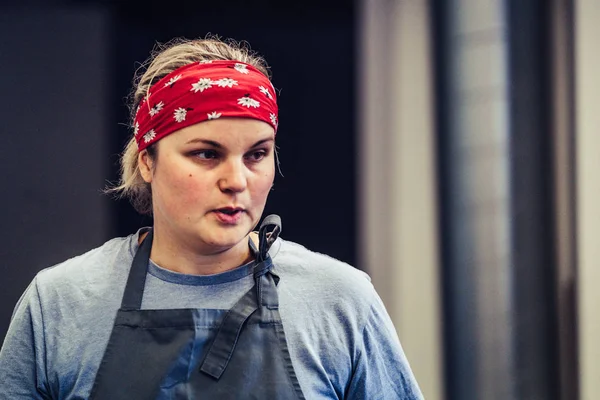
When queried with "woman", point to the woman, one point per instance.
{"points": [[200, 305]]}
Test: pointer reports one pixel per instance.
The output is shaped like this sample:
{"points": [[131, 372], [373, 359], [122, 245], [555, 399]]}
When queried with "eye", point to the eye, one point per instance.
{"points": [[206, 154], [256, 155]]}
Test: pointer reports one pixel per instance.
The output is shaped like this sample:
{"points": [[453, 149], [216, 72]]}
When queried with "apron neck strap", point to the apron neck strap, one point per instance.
{"points": [[267, 234], [134, 289]]}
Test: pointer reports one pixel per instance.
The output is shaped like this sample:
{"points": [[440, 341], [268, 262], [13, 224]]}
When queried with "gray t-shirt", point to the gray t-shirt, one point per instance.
{"points": [[341, 339]]}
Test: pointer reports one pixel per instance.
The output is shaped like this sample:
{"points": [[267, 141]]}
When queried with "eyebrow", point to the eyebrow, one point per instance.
{"points": [[220, 146]]}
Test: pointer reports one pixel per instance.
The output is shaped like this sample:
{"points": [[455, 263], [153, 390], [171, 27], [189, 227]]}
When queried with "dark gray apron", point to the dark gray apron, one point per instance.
{"points": [[150, 354]]}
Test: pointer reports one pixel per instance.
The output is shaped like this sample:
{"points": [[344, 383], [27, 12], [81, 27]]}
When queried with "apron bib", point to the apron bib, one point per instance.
{"points": [[151, 354]]}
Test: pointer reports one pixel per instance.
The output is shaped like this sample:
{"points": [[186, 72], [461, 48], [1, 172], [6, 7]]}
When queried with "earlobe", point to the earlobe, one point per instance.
{"points": [[145, 166]]}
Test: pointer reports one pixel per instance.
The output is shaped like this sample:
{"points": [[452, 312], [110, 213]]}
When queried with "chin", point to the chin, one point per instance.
{"points": [[224, 238]]}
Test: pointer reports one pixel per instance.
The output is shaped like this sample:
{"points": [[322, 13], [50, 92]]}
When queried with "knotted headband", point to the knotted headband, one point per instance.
{"points": [[203, 91]]}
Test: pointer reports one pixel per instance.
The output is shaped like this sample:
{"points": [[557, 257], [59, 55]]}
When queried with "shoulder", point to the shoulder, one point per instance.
{"points": [[324, 281], [297, 259], [105, 263], [83, 292]]}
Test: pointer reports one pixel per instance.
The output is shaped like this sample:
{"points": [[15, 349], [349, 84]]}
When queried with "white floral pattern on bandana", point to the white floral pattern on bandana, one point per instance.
{"points": [[136, 129], [273, 119], [172, 80], [247, 101], [226, 82], [201, 85], [241, 68], [156, 109], [213, 115], [180, 114], [149, 136], [265, 91]]}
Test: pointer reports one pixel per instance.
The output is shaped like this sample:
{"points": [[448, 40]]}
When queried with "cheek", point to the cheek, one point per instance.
{"points": [[179, 187], [263, 184]]}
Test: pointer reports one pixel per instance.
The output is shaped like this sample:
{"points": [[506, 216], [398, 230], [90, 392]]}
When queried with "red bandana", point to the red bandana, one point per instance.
{"points": [[202, 91]]}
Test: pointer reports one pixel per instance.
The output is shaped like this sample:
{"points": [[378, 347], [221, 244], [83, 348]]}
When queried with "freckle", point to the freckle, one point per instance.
{"points": [[190, 175]]}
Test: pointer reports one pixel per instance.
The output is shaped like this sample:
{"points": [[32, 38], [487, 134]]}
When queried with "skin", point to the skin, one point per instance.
{"points": [[226, 162]]}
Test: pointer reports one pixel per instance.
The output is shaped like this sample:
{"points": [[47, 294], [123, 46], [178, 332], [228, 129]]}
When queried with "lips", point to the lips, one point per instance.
{"points": [[229, 215]]}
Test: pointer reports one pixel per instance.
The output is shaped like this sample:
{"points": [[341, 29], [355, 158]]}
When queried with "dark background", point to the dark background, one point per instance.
{"points": [[66, 69]]}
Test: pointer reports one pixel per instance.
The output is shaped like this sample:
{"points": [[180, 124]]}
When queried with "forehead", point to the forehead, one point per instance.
{"points": [[226, 131]]}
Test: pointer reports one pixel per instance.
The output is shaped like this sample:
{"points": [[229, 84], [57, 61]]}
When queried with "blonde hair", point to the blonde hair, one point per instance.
{"points": [[164, 59]]}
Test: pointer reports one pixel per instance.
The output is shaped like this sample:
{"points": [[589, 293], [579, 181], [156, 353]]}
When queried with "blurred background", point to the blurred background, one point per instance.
{"points": [[449, 148]]}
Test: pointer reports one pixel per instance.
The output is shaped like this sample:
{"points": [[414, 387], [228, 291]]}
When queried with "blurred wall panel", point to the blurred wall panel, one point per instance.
{"points": [[54, 79], [473, 134], [396, 151], [498, 188], [587, 34]]}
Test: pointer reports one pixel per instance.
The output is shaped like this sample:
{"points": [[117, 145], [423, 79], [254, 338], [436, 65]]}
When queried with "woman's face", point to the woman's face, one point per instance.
{"points": [[211, 180]]}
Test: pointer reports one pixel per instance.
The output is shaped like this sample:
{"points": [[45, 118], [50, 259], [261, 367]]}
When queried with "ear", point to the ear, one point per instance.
{"points": [[145, 165]]}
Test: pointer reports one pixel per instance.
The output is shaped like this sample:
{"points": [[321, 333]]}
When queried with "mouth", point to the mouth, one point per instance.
{"points": [[230, 210], [229, 215]]}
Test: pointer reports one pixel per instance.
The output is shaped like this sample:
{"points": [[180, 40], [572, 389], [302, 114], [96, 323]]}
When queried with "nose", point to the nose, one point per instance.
{"points": [[233, 178]]}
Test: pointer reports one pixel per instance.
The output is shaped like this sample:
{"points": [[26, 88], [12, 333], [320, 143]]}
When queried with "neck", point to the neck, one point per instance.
{"points": [[185, 259]]}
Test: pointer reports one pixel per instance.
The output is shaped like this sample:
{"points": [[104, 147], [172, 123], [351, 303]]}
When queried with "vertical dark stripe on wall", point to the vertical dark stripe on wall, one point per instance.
{"points": [[440, 48], [532, 194], [563, 75]]}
